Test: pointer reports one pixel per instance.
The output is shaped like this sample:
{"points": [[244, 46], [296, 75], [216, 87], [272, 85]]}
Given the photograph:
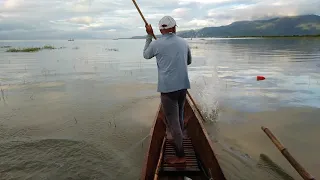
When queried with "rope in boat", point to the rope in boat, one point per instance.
{"points": [[131, 148], [136, 144]]}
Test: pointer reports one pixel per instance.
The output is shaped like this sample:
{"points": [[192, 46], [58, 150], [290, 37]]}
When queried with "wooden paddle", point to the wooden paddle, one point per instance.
{"points": [[303, 173], [146, 23]]}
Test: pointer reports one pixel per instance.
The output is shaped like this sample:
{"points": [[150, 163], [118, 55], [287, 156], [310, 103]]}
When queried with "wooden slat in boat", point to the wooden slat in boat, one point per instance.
{"points": [[201, 160], [192, 166]]}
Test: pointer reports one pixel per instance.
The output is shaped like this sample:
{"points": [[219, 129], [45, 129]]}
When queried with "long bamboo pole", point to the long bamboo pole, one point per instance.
{"points": [[303, 173], [146, 23]]}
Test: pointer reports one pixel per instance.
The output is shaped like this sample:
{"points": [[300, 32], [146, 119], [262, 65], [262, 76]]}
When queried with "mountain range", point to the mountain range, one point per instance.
{"points": [[281, 26]]}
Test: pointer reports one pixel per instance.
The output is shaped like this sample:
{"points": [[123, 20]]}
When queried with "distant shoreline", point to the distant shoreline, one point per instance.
{"points": [[293, 36], [158, 36]]}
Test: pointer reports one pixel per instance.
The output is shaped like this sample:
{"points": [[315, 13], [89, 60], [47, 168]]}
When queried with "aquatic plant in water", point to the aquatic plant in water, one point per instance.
{"points": [[30, 49], [48, 47], [112, 49], [35, 49]]}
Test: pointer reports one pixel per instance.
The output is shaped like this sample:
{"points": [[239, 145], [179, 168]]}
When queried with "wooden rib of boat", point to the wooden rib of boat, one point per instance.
{"points": [[201, 160]]}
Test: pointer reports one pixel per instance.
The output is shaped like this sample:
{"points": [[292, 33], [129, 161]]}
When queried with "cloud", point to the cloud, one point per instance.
{"points": [[196, 24], [85, 6], [81, 20], [205, 1], [181, 12], [263, 10], [118, 18], [200, 23], [9, 4], [15, 25]]}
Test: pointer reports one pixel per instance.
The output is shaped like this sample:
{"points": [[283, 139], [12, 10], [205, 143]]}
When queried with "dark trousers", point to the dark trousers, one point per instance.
{"points": [[173, 106]]}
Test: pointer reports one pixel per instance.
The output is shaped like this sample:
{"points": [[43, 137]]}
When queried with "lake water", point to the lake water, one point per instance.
{"points": [[84, 111]]}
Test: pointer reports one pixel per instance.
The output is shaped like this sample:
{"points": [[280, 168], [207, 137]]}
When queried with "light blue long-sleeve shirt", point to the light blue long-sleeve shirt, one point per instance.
{"points": [[173, 56]]}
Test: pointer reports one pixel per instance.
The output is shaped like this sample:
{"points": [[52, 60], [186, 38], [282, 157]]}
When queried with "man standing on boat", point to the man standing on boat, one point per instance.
{"points": [[173, 56]]}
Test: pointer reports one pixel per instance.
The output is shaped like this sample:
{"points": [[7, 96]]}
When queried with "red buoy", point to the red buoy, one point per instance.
{"points": [[260, 78]]}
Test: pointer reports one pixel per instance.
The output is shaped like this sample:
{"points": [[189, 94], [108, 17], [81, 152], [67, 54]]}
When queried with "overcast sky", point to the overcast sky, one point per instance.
{"points": [[52, 19]]}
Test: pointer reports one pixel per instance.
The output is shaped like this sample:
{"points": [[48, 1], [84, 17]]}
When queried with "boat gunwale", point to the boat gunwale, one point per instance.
{"points": [[147, 155], [207, 139]]}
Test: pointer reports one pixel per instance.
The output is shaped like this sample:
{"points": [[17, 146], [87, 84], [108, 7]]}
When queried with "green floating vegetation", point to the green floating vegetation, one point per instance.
{"points": [[24, 50], [30, 49], [48, 47], [112, 49]]}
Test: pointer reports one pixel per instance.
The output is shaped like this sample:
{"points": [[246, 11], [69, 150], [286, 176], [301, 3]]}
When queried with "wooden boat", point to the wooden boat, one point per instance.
{"points": [[201, 160]]}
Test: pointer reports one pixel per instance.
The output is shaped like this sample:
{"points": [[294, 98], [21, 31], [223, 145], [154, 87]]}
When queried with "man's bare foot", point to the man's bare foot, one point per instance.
{"points": [[176, 160]]}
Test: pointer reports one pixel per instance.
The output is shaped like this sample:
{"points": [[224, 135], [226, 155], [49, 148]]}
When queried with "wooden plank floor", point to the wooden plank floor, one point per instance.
{"points": [[191, 167]]}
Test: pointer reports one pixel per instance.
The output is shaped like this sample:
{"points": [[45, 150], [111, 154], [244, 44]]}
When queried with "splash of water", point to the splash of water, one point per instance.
{"points": [[206, 90]]}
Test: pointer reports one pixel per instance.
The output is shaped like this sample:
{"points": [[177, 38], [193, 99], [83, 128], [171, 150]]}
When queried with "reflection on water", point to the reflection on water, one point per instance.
{"points": [[85, 111]]}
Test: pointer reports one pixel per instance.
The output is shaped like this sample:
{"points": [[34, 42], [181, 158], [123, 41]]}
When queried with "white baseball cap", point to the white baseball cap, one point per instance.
{"points": [[167, 22]]}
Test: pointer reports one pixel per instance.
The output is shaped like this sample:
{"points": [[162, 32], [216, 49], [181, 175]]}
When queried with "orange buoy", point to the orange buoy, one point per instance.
{"points": [[260, 78]]}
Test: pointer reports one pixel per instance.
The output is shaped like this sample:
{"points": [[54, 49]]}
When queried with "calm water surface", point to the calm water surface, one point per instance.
{"points": [[84, 111]]}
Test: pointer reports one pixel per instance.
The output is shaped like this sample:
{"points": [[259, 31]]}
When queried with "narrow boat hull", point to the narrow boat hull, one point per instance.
{"points": [[201, 160]]}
